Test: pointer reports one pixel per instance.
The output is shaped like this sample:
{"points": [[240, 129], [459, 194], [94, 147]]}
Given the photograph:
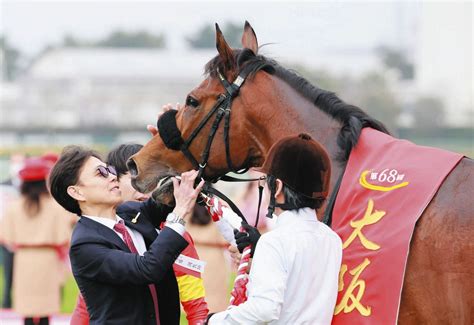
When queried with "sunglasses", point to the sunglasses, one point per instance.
{"points": [[105, 171]]}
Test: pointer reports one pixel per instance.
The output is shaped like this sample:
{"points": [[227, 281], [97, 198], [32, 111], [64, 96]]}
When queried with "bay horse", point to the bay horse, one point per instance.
{"points": [[275, 102]]}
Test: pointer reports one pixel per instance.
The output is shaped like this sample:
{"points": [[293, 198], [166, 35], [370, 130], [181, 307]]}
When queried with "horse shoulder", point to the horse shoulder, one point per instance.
{"points": [[438, 286]]}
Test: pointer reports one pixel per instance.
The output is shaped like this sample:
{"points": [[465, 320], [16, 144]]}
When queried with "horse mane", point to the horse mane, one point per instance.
{"points": [[352, 118]]}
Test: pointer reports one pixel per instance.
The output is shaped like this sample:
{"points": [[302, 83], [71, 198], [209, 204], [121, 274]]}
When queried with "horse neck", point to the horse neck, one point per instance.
{"points": [[285, 112]]}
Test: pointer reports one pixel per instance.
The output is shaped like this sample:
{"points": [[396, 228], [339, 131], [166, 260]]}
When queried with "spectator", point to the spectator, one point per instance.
{"points": [[37, 229], [9, 190]]}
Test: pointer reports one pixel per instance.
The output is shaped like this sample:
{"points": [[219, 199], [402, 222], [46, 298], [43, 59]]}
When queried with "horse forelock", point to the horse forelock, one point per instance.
{"points": [[244, 58], [352, 118]]}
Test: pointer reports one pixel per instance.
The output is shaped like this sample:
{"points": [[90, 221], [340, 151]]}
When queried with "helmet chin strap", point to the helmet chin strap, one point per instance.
{"points": [[272, 184]]}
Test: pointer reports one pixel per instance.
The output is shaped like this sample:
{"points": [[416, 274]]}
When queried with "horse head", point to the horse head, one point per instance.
{"points": [[246, 103], [163, 156]]}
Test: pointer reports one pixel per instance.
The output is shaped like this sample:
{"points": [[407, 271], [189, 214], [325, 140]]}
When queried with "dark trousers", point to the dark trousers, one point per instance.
{"points": [[7, 258], [37, 321]]}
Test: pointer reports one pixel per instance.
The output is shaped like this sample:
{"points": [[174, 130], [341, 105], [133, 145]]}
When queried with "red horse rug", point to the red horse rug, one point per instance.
{"points": [[386, 186]]}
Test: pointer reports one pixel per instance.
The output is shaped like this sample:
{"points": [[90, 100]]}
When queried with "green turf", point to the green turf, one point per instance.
{"points": [[70, 292], [69, 296]]}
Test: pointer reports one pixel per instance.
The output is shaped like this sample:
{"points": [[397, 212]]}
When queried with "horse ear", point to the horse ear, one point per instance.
{"points": [[249, 39], [225, 52]]}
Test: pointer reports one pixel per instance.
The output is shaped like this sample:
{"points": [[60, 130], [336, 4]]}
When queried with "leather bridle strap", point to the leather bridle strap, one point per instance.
{"points": [[208, 189], [171, 135], [327, 219]]}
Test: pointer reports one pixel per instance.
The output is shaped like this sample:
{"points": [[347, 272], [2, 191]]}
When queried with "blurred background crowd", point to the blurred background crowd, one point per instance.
{"points": [[96, 73]]}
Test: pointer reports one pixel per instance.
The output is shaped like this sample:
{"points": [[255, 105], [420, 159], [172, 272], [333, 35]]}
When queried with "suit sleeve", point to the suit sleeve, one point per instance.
{"points": [[97, 261], [156, 212]]}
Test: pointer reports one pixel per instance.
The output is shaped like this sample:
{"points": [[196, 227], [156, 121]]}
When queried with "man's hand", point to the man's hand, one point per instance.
{"points": [[250, 237], [185, 194], [235, 255]]}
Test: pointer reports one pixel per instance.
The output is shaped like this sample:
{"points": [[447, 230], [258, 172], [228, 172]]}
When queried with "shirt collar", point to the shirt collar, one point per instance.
{"points": [[290, 216], [109, 223]]}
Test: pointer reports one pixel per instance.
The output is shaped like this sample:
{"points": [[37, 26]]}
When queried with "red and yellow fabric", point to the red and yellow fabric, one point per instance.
{"points": [[190, 284], [386, 186]]}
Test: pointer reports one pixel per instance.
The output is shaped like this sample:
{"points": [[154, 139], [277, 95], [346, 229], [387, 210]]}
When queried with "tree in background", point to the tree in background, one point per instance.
{"points": [[139, 39], [205, 37], [373, 94], [9, 60], [318, 77], [428, 113], [116, 38], [71, 41], [395, 59], [370, 92]]}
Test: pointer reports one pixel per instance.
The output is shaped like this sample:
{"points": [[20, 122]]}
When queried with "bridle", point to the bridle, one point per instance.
{"points": [[172, 138]]}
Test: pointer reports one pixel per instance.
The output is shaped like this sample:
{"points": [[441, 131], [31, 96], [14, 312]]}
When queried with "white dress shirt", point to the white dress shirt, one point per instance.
{"points": [[294, 274], [137, 237]]}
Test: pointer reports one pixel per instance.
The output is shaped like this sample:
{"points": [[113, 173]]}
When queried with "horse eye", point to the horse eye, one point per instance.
{"points": [[193, 102]]}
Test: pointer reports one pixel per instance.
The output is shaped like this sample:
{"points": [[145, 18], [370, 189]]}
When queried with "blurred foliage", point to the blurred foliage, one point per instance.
{"points": [[119, 38], [428, 113], [38, 150], [371, 92], [395, 59], [141, 39], [205, 37], [9, 60]]}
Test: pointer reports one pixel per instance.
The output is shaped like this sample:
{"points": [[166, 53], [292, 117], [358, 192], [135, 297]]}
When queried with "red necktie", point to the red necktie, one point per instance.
{"points": [[120, 228]]}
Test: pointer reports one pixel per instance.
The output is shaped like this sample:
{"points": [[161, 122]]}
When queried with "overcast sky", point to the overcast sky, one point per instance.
{"points": [[293, 26]]}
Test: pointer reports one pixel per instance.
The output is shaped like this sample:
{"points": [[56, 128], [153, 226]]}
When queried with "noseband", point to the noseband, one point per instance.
{"points": [[171, 135]]}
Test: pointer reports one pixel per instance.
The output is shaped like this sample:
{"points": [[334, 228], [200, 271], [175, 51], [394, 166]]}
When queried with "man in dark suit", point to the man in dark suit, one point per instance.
{"points": [[122, 266]]}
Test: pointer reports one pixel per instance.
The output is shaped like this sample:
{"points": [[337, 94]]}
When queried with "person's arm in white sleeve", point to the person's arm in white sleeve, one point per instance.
{"points": [[266, 288]]}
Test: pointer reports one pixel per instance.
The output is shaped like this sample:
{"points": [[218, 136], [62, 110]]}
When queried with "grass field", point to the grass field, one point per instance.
{"points": [[70, 292]]}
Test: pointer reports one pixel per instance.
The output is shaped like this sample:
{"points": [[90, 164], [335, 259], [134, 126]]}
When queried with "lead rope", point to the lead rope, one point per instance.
{"points": [[226, 221]]}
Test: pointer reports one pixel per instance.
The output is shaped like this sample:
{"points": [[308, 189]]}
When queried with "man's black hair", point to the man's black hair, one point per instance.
{"points": [[66, 172]]}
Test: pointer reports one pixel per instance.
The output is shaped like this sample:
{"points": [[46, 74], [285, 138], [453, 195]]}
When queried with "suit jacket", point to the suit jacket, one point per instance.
{"points": [[114, 281]]}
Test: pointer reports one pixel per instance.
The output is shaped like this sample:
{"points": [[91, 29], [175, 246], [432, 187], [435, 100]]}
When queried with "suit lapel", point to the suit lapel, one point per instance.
{"points": [[144, 227], [106, 232]]}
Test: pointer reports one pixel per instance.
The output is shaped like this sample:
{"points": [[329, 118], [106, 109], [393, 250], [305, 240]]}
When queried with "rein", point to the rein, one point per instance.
{"points": [[173, 139]]}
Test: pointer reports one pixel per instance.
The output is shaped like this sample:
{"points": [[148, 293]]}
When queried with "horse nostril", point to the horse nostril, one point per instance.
{"points": [[132, 167]]}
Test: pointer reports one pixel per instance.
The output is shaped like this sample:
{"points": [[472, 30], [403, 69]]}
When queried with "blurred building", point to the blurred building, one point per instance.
{"points": [[82, 90], [444, 58], [125, 88], [117, 88]]}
